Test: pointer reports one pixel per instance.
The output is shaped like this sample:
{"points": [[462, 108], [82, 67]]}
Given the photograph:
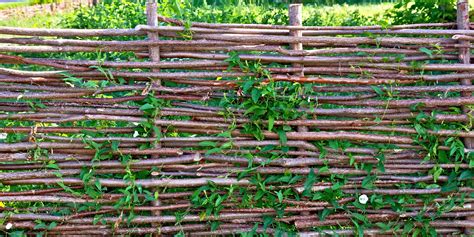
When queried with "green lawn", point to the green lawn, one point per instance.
{"points": [[38, 21], [7, 5]]}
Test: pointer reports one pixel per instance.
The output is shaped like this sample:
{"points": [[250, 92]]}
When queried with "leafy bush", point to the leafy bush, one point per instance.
{"points": [[338, 15], [33, 2], [107, 14], [133, 13], [423, 11]]}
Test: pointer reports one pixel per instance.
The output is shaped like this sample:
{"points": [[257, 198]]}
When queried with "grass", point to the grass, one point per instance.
{"points": [[8, 5], [367, 10], [38, 21], [42, 20]]}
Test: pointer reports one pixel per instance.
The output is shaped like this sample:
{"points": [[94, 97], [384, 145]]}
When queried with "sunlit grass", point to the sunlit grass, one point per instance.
{"points": [[7, 5], [38, 21], [364, 9]]}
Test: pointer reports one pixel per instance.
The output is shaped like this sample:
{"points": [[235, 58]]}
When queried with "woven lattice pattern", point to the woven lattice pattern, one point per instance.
{"points": [[212, 128]]}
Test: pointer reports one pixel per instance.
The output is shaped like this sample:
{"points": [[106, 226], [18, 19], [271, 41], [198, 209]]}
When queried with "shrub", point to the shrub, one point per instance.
{"points": [[33, 2], [107, 14], [423, 11]]}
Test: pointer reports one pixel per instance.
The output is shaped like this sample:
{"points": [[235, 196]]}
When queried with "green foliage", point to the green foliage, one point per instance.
{"points": [[423, 11], [133, 13], [107, 14], [263, 101], [32, 2]]}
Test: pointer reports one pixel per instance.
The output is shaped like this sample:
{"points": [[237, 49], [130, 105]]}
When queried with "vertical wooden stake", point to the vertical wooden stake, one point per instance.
{"points": [[152, 20], [295, 13], [154, 54], [465, 58]]}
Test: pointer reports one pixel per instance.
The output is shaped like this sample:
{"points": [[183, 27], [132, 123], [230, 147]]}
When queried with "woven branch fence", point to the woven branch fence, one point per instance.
{"points": [[220, 129]]}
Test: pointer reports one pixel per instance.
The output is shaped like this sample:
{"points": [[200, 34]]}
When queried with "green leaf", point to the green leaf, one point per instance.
{"points": [[308, 184], [40, 225], [467, 174], [226, 145], [368, 182], [283, 138], [52, 166], [52, 225], [360, 217], [146, 107], [208, 143], [267, 221], [271, 121], [280, 196], [247, 85], [115, 145], [214, 150], [378, 90], [334, 144], [450, 187], [437, 171], [256, 93], [426, 51], [443, 157], [218, 201], [325, 213]]}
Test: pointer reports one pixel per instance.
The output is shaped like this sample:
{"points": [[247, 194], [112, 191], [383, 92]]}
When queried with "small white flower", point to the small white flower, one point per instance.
{"points": [[135, 134], [9, 226], [363, 199], [3, 135]]}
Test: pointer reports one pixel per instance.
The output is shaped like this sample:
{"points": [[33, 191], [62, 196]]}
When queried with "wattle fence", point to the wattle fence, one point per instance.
{"points": [[201, 129]]}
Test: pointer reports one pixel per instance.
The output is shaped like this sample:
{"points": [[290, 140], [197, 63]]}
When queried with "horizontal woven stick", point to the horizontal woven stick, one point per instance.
{"points": [[306, 171], [268, 26], [99, 229], [113, 43], [69, 32], [137, 219], [430, 102], [412, 89], [146, 183], [350, 231], [306, 60], [449, 133], [306, 52], [114, 100], [25, 175], [9, 59], [327, 40], [63, 49], [109, 89], [36, 191], [376, 218], [221, 230], [17, 156], [81, 65], [41, 198], [380, 79], [305, 32], [21, 146], [139, 139], [408, 191], [162, 75], [424, 67]]}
